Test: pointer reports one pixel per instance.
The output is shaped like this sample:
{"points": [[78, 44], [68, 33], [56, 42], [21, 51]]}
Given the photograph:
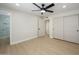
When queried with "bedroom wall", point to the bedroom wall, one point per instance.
{"points": [[58, 29], [4, 26], [51, 18], [23, 26]]}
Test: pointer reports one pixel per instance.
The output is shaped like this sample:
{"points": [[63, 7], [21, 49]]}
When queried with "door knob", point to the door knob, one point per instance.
{"points": [[38, 28], [77, 30]]}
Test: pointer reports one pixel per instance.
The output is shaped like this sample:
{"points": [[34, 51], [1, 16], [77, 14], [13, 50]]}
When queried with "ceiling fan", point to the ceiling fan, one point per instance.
{"points": [[43, 8]]}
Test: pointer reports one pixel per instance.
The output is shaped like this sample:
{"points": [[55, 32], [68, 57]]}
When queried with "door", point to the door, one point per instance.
{"points": [[71, 28], [47, 27], [4, 30], [58, 27], [41, 27]]}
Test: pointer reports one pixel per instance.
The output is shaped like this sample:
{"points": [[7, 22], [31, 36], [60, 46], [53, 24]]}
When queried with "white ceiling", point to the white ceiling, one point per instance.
{"points": [[28, 7]]}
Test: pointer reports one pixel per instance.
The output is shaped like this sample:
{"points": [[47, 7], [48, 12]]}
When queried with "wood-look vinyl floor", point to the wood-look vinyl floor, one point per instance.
{"points": [[42, 46]]}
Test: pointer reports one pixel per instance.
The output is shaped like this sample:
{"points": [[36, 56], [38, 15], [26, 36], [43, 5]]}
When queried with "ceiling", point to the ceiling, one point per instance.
{"points": [[28, 7]]}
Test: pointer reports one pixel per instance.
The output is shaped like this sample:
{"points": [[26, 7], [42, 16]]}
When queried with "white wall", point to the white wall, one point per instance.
{"points": [[70, 28], [65, 13], [23, 26], [51, 18], [61, 32], [58, 27]]}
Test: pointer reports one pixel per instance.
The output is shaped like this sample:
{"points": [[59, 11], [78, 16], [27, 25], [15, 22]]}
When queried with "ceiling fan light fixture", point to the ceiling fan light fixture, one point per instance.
{"points": [[43, 11]]}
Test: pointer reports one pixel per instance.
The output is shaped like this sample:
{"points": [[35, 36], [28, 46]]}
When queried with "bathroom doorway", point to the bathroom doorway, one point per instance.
{"points": [[4, 30]]}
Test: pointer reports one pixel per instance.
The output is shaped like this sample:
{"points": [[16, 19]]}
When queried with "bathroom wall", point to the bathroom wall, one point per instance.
{"points": [[4, 26], [4, 30]]}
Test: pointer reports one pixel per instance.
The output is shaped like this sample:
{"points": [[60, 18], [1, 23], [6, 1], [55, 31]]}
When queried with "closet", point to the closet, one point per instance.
{"points": [[71, 31], [66, 28]]}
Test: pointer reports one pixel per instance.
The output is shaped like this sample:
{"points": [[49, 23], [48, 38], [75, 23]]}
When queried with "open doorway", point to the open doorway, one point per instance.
{"points": [[4, 30], [47, 27]]}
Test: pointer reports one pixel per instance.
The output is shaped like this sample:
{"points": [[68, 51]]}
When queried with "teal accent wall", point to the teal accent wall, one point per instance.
{"points": [[4, 26]]}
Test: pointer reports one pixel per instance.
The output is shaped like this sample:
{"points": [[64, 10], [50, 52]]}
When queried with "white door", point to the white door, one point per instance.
{"points": [[71, 31], [47, 27], [41, 27], [58, 27]]}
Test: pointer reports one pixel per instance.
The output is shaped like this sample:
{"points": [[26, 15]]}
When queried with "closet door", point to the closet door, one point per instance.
{"points": [[71, 31], [58, 27]]}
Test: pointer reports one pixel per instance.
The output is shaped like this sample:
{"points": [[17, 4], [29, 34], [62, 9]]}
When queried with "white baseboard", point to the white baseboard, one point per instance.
{"points": [[12, 43]]}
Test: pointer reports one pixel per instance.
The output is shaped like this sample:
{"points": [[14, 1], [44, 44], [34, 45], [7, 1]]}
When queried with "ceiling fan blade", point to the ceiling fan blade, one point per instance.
{"points": [[49, 11], [37, 5], [36, 10], [49, 6]]}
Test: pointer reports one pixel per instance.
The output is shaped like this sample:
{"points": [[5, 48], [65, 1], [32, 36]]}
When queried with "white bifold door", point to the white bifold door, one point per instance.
{"points": [[67, 28], [71, 28]]}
